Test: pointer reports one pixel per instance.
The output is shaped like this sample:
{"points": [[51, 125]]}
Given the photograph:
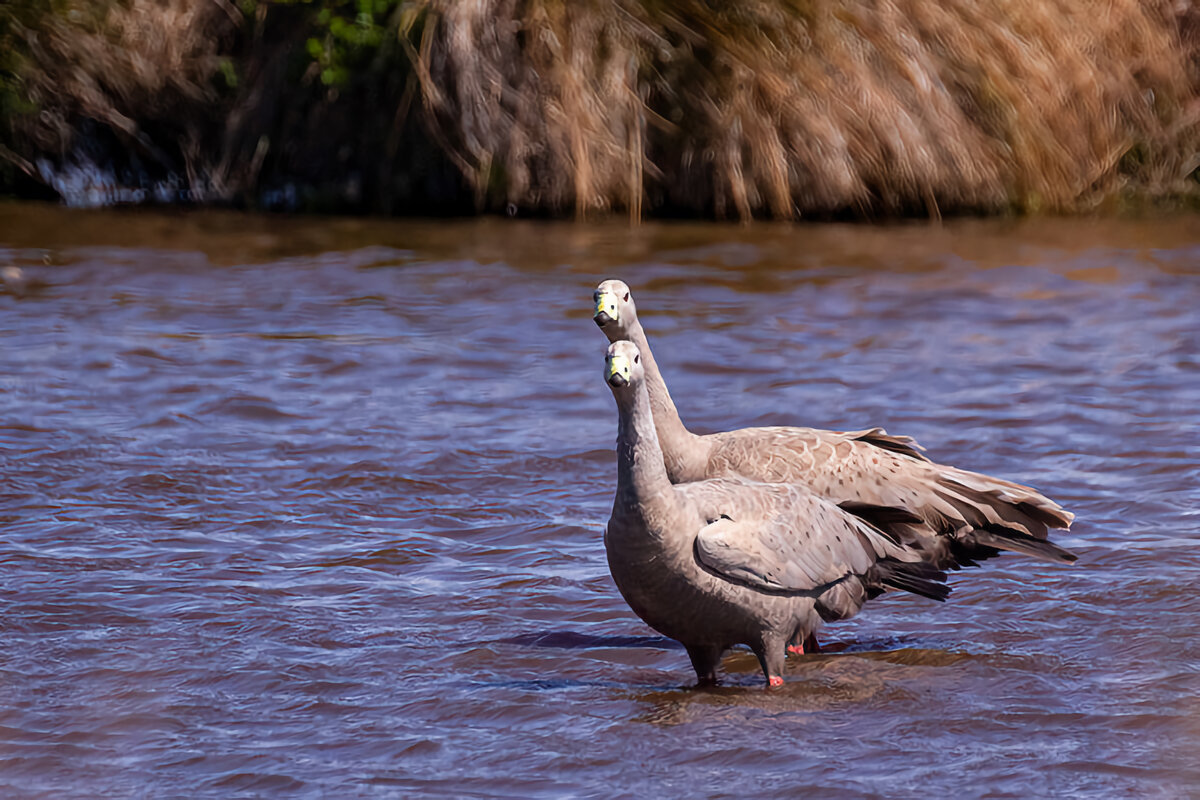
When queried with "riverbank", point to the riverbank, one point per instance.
{"points": [[764, 109]]}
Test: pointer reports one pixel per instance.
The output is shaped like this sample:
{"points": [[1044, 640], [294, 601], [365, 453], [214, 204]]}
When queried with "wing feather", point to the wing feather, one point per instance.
{"points": [[963, 516], [784, 539]]}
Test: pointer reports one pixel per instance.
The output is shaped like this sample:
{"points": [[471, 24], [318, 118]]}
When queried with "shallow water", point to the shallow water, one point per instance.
{"points": [[313, 508]]}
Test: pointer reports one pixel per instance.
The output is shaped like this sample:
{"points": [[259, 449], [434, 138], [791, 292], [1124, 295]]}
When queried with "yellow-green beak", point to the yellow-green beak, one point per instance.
{"points": [[617, 370], [606, 309]]}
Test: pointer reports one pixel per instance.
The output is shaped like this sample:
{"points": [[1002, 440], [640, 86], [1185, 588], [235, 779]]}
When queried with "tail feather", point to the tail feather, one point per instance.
{"points": [[995, 523], [1021, 502], [996, 508], [1017, 542], [1053, 516], [918, 577]]}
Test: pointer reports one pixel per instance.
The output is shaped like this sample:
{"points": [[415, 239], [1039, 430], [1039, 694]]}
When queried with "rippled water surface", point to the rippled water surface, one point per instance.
{"points": [[314, 508]]}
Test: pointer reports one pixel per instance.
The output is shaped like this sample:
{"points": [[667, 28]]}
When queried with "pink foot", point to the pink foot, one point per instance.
{"points": [[775, 680], [809, 645]]}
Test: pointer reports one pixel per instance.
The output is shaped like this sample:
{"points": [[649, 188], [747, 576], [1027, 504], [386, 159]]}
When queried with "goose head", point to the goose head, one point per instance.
{"points": [[615, 312], [623, 365]]}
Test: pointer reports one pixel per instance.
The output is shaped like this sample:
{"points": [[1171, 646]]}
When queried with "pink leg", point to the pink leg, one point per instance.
{"points": [[809, 645]]}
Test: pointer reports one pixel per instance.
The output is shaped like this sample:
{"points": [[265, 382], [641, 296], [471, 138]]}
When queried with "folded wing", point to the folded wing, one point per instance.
{"points": [[784, 539]]}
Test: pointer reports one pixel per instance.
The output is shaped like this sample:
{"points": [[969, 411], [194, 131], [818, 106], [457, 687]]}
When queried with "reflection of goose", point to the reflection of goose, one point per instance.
{"points": [[729, 561], [957, 518], [824, 686]]}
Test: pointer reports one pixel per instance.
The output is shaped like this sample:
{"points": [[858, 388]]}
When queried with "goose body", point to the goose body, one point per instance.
{"points": [[956, 517], [728, 561]]}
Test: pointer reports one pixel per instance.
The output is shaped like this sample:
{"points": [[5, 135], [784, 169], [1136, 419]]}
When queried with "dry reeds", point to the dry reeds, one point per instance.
{"points": [[538, 102], [778, 108], [788, 108], [129, 68]]}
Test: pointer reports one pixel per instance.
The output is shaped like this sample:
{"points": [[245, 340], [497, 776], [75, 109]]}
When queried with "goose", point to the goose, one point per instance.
{"points": [[955, 517], [728, 561]]}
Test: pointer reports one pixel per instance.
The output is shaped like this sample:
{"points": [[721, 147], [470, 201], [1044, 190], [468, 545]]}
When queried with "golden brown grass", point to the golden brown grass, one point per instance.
{"points": [[780, 108], [787, 108]]}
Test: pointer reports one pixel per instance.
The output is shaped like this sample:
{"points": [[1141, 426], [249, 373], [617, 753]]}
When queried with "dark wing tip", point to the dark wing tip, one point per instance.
{"points": [[918, 577], [903, 445], [881, 516], [1018, 542]]}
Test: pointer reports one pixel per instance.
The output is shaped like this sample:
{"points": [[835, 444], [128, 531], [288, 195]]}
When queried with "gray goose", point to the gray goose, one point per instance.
{"points": [[728, 561], [955, 517]]}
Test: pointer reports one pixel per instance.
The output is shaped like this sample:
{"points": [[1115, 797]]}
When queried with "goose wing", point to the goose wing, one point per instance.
{"points": [[785, 539], [966, 516]]}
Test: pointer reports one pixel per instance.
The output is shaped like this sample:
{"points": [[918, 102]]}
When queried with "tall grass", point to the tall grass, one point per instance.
{"points": [[771, 108], [790, 108]]}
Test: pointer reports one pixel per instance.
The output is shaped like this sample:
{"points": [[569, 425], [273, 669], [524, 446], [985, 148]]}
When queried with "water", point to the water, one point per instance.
{"points": [[313, 508]]}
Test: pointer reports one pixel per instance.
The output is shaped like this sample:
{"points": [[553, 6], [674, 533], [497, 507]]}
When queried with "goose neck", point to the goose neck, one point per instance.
{"points": [[680, 447], [641, 476]]}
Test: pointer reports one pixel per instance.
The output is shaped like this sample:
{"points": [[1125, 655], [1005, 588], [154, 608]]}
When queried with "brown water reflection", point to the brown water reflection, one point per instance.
{"points": [[298, 507]]}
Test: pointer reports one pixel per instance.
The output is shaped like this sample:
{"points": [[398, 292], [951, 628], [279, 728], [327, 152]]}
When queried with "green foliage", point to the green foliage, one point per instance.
{"points": [[15, 17], [348, 36], [228, 72]]}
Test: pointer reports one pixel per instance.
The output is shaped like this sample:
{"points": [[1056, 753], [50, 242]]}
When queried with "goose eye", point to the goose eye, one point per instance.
{"points": [[626, 298], [637, 359]]}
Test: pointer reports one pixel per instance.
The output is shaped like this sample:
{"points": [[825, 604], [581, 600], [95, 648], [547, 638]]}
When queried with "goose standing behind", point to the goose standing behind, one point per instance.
{"points": [[956, 518], [729, 561]]}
